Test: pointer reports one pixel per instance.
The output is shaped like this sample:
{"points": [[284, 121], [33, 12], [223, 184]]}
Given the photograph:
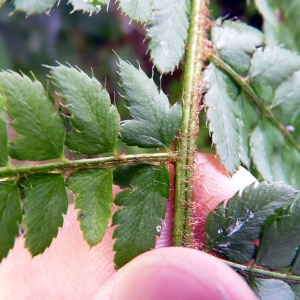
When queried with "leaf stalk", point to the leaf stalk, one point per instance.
{"points": [[190, 103], [263, 273], [99, 162]]}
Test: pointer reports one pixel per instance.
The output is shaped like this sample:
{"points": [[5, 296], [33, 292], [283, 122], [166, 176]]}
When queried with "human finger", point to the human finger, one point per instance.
{"points": [[177, 273]]}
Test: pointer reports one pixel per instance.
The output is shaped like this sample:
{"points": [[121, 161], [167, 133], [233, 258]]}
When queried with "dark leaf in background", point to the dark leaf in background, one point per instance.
{"points": [[280, 240], [233, 229]]}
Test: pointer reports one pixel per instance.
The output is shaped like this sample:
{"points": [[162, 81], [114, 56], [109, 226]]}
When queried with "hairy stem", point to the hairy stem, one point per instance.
{"points": [[187, 144], [101, 162], [262, 272]]}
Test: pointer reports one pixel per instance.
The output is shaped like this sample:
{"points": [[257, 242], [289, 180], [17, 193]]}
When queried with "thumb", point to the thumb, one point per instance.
{"points": [[176, 273]]}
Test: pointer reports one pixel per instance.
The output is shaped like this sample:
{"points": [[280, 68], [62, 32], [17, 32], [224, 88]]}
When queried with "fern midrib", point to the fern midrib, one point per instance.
{"points": [[187, 144]]}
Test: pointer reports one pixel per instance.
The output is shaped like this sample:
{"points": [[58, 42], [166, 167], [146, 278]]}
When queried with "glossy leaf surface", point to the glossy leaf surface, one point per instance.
{"points": [[232, 230], [280, 240]]}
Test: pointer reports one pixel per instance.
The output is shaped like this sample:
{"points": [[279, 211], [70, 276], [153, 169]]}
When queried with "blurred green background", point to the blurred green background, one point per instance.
{"points": [[88, 42]]}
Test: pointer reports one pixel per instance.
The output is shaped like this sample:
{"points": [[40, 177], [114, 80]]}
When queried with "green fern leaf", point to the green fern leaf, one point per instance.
{"points": [[142, 208], [10, 216], [250, 69], [167, 32], [221, 117], [280, 30], [46, 201], [154, 122], [234, 41], [229, 119], [93, 196], [41, 129], [246, 118], [232, 230], [268, 61], [274, 157], [95, 121], [278, 247]]}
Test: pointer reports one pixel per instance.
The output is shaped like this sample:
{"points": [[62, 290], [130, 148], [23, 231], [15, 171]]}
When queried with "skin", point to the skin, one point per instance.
{"points": [[70, 269], [212, 184]]}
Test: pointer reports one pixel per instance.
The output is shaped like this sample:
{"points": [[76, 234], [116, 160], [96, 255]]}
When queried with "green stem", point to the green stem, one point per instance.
{"points": [[265, 111], [187, 144], [261, 272], [100, 162]]}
